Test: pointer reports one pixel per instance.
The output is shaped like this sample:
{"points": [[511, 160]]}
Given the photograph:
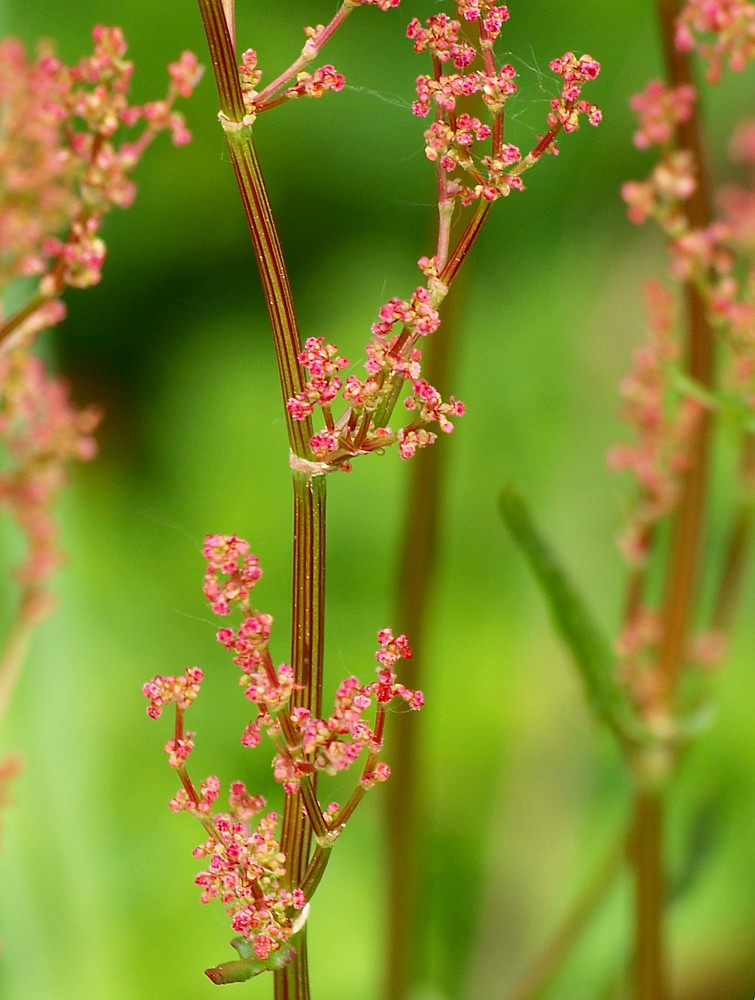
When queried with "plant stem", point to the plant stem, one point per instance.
{"points": [[645, 856], [12, 660], [682, 567], [308, 576]]}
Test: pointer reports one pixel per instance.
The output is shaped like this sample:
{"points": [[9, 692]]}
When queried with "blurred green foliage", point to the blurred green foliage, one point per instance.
{"points": [[522, 792]]}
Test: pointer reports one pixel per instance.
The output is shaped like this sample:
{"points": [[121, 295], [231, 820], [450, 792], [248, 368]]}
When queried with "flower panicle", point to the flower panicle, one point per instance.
{"points": [[246, 869], [394, 357]]}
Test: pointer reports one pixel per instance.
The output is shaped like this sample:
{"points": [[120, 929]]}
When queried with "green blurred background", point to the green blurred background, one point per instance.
{"points": [[522, 794]]}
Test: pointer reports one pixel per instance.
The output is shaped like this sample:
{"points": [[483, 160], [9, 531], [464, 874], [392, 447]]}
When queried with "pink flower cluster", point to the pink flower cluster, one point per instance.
{"points": [[245, 872], [451, 139], [41, 432], [246, 868], [62, 164], [228, 556], [334, 744], [731, 23], [664, 425], [393, 359], [718, 258], [181, 691]]}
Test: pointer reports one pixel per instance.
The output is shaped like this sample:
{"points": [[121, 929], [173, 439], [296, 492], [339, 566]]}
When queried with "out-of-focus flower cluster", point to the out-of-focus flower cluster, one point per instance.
{"points": [[246, 869], [64, 164], [718, 259], [662, 405], [719, 30], [64, 159], [40, 432], [664, 425]]}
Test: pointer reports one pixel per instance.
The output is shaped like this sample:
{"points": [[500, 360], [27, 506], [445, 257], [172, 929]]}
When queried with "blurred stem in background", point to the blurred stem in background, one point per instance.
{"points": [[646, 840], [405, 798]]}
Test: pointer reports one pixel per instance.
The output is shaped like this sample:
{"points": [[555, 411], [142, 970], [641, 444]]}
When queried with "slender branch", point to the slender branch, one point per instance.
{"points": [[17, 320], [308, 577], [309, 53], [464, 245], [259, 215]]}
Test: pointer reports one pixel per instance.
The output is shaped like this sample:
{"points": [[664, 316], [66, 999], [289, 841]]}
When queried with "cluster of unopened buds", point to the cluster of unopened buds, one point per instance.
{"points": [[247, 870]]}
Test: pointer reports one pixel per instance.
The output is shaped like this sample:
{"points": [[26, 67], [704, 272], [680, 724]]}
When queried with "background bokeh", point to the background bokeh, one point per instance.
{"points": [[522, 794]]}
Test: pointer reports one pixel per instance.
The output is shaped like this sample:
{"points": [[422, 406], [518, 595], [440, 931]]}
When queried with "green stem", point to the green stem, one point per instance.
{"points": [[12, 660]]}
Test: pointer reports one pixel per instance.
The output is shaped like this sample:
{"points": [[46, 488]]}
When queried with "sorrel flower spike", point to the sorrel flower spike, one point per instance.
{"points": [[246, 867]]}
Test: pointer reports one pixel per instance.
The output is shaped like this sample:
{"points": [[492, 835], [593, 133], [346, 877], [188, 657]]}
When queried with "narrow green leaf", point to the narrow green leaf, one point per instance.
{"points": [[587, 643]]}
